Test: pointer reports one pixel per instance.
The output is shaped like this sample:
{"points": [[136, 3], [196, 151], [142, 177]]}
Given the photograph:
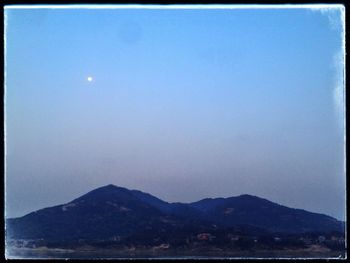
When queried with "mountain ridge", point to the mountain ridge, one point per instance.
{"points": [[139, 192], [110, 211]]}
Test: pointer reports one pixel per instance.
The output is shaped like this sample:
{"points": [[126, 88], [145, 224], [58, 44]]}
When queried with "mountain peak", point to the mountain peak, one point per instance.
{"points": [[248, 196], [109, 186], [107, 193]]}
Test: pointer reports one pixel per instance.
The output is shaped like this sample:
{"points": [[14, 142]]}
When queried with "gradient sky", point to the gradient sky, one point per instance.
{"points": [[184, 104]]}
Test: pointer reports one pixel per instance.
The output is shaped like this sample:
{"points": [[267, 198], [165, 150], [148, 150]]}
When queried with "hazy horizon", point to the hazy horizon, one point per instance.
{"points": [[183, 104], [173, 201]]}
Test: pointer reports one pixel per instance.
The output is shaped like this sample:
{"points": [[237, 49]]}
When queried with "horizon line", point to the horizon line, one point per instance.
{"points": [[175, 6]]}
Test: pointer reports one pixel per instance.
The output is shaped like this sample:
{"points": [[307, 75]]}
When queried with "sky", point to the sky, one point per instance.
{"points": [[181, 103]]}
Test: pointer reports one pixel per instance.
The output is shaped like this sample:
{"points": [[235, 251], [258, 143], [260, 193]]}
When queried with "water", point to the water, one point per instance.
{"points": [[45, 253]]}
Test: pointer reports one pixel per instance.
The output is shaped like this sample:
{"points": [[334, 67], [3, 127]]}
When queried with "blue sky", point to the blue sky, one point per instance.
{"points": [[184, 104]]}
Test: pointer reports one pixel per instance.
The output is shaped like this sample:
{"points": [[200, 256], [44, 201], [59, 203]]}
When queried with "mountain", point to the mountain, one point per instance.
{"points": [[113, 212], [102, 213], [255, 211], [152, 200]]}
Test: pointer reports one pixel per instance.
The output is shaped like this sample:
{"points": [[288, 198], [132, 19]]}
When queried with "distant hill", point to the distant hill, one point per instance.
{"points": [[112, 212], [255, 211]]}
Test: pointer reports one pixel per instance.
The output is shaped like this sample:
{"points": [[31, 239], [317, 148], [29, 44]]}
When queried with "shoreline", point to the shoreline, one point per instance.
{"points": [[44, 252]]}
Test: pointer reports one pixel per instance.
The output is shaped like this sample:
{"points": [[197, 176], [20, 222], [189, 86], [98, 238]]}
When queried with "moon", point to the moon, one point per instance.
{"points": [[89, 79]]}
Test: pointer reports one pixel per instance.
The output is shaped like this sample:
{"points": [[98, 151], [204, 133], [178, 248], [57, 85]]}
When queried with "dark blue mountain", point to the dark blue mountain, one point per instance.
{"points": [[180, 210], [102, 213], [255, 211], [152, 200], [116, 212]]}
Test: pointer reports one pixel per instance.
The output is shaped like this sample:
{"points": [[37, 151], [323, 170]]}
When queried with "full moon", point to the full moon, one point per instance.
{"points": [[89, 79]]}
